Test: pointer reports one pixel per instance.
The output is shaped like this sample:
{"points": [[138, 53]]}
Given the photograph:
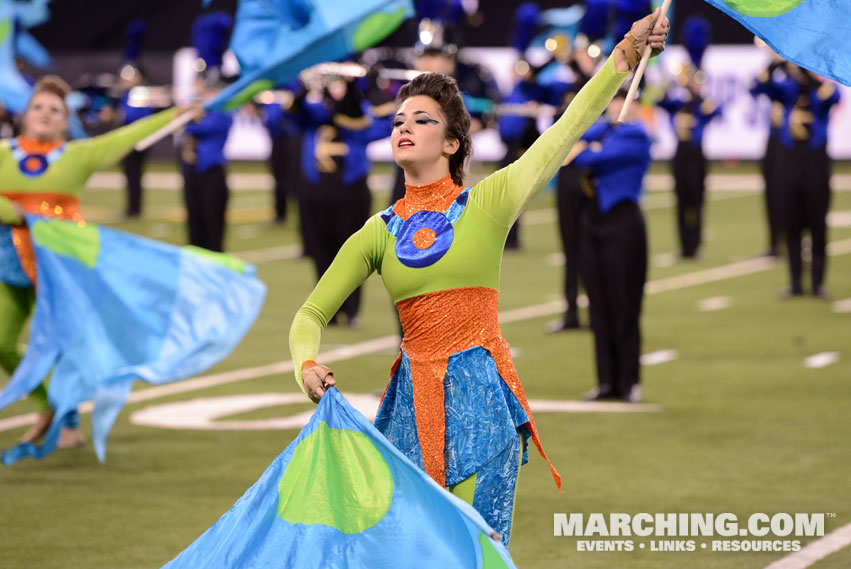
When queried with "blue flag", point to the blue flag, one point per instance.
{"points": [[14, 89], [341, 495], [15, 41], [815, 34], [29, 15], [112, 307], [274, 40]]}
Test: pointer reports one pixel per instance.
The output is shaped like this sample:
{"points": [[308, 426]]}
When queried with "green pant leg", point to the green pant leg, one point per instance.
{"points": [[466, 489], [16, 305]]}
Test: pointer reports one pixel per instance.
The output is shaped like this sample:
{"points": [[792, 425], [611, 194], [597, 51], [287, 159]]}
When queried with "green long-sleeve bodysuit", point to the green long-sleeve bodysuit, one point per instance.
{"points": [[475, 257]]}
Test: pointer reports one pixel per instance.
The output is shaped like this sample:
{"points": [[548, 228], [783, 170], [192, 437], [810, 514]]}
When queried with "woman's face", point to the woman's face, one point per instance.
{"points": [[45, 118], [419, 133]]}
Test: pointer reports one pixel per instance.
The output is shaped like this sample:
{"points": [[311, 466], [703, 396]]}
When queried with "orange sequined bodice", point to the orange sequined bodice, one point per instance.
{"points": [[40, 203], [437, 325]]}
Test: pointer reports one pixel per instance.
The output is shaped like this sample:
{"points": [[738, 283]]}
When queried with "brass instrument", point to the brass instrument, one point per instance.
{"points": [[160, 97], [318, 76]]}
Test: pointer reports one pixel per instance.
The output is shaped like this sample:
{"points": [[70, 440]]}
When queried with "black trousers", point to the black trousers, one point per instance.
{"points": [[771, 168], [569, 199], [133, 166], [284, 163], [206, 198], [338, 212], [307, 231], [613, 265], [806, 191], [689, 169]]}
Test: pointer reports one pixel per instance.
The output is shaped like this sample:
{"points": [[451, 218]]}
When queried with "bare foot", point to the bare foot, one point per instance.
{"points": [[39, 428], [70, 438]]}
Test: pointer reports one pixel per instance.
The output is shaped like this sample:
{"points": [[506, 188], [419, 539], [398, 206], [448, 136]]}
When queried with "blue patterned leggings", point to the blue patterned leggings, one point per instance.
{"points": [[492, 489]]}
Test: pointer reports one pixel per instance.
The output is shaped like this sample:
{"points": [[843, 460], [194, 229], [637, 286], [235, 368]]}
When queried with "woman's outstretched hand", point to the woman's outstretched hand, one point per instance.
{"points": [[642, 34], [317, 379]]}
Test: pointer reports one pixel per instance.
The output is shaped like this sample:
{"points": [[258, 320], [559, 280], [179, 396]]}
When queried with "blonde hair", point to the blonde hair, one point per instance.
{"points": [[55, 85]]}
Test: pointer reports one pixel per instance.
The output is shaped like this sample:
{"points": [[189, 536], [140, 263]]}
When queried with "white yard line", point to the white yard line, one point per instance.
{"points": [[391, 342], [839, 218], [203, 413], [659, 357], [665, 260], [815, 551], [820, 360], [842, 247], [710, 275], [714, 303], [842, 306]]}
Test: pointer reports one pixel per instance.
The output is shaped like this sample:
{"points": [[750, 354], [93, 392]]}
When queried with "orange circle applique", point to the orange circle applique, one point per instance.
{"points": [[32, 164], [423, 238]]}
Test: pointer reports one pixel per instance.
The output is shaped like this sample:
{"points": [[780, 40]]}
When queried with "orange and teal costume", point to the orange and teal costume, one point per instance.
{"points": [[46, 179], [454, 404]]}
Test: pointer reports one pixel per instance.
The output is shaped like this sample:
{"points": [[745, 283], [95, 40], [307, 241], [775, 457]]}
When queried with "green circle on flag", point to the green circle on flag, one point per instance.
{"points": [[491, 559], [248, 92], [336, 477], [376, 27], [763, 8], [5, 28]]}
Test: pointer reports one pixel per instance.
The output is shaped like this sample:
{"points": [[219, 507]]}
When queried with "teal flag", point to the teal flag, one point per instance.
{"points": [[342, 496], [112, 307], [274, 40], [14, 89], [815, 34]]}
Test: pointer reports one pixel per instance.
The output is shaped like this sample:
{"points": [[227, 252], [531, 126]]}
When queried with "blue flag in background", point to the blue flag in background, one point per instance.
{"points": [[342, 496], [14, 89], [29, 15], [112, 307], [815, 34], [15, 41], [274, 40]]}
